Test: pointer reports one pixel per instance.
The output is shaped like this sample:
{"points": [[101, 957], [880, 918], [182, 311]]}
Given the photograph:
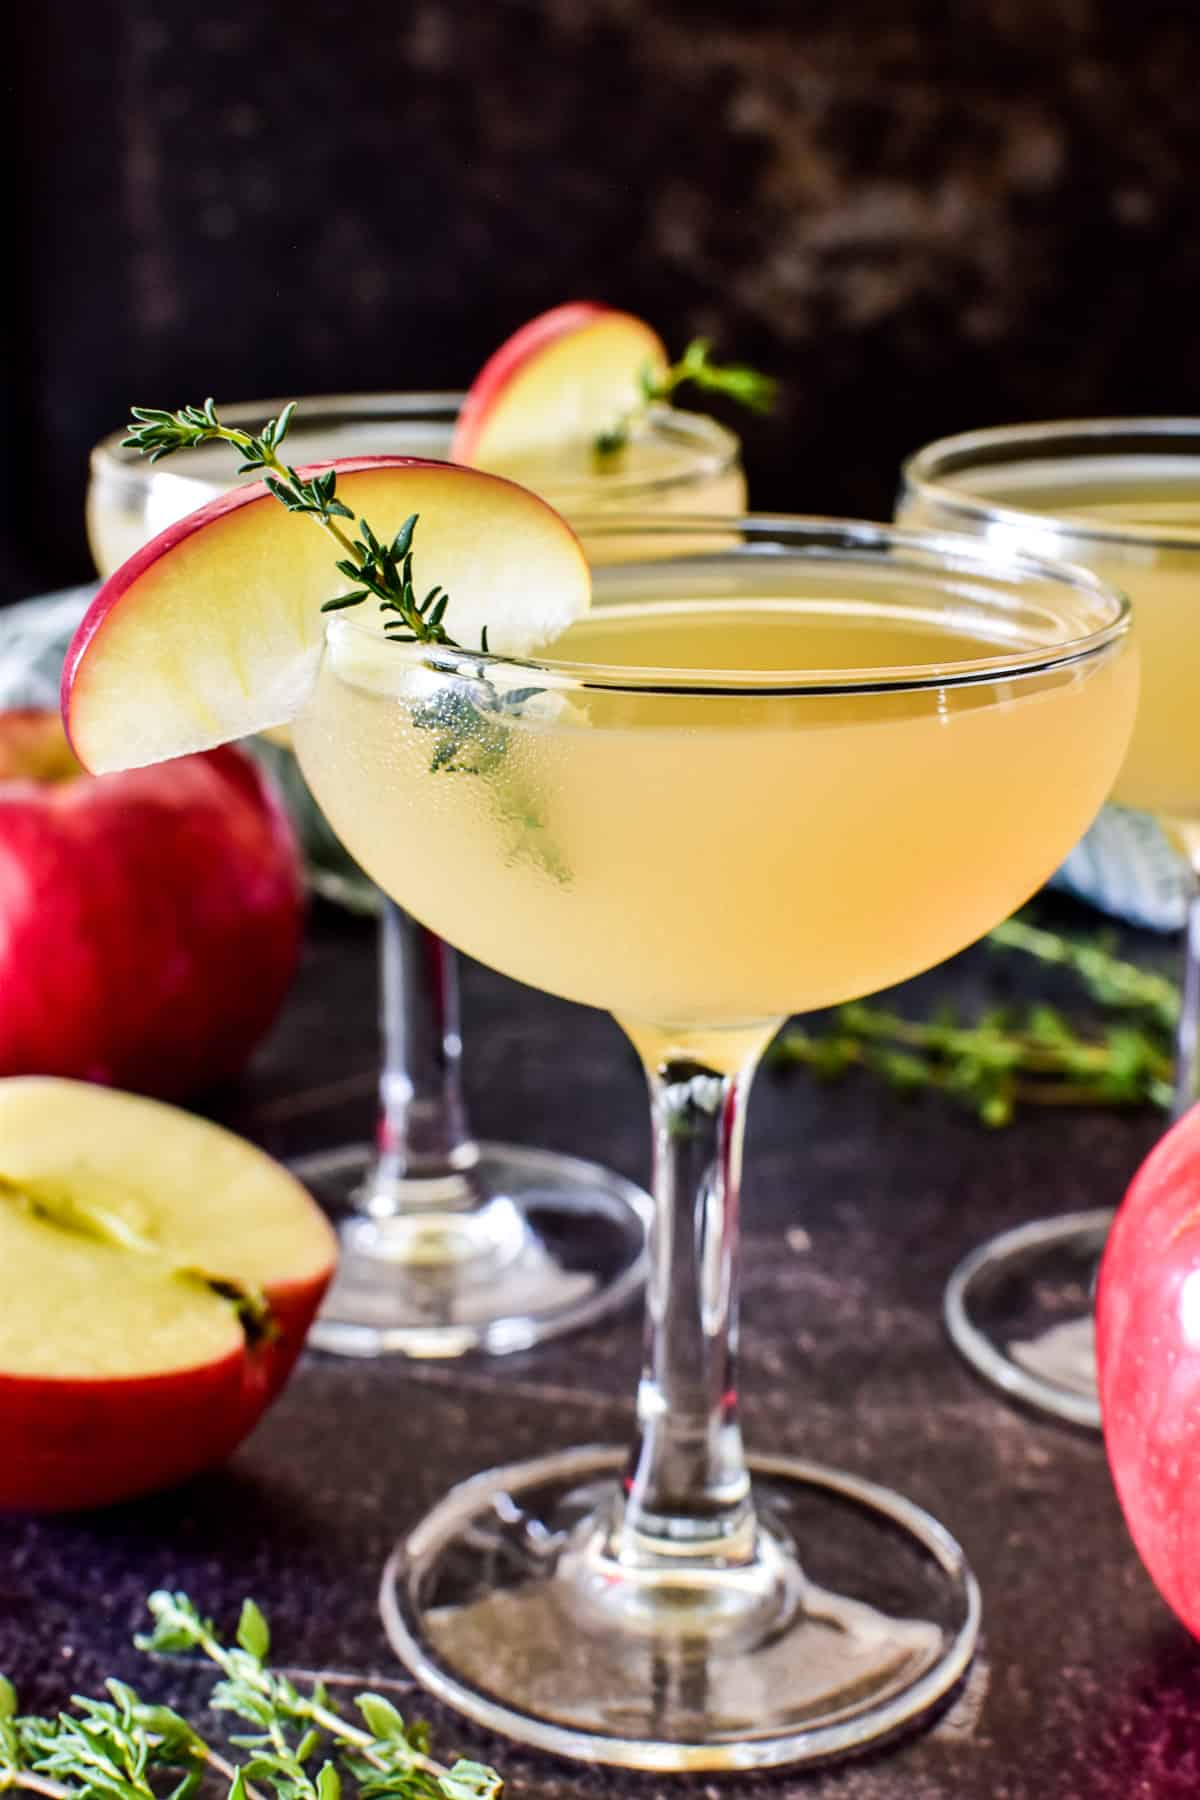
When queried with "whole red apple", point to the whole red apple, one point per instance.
{"points": [[149, 921], [157, 1276], [1148, 1353]]}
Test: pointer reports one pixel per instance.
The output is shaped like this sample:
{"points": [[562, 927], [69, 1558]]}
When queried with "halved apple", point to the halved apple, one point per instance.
{"points": [[159, 1276], [213, 630], [567, 376]]}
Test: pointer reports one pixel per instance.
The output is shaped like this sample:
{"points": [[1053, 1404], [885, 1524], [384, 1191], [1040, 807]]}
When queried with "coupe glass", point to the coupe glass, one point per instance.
{"points": [[1121, 497], [781, 763], [447, 1244]]}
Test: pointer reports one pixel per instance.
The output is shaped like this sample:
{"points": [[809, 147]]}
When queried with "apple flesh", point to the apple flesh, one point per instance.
{"points": [[1148, 1358], [150, 922], [160, 1277], [559, 381], [213, 630]]}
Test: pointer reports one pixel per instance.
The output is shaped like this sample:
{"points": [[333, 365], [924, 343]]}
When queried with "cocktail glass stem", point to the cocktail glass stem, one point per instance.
{"points": [[1187, 1035], [687, 1495], [449, 1245], [422, 1129], [650, 1607]]}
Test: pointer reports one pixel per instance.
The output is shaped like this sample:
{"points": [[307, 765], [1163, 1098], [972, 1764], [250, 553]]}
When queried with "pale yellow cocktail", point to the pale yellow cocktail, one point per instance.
{"points": [[1161, 575], [703, 862], [1134, 519]]}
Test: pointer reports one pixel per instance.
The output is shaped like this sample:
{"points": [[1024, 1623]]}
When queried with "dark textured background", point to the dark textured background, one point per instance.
{"points": [[921, 216]]}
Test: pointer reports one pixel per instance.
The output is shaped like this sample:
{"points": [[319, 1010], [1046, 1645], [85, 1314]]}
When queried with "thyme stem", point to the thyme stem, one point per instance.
{"points": [[246, 444], [746, 386]]}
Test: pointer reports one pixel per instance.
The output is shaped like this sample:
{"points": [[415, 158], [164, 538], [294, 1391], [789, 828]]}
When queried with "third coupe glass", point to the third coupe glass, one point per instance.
{"points": [[1121, 497]]}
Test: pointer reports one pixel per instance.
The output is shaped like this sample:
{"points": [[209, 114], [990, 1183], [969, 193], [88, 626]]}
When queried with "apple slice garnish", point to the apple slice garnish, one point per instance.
{"points": [[562, 380], [160, 1277], [213, 630]]}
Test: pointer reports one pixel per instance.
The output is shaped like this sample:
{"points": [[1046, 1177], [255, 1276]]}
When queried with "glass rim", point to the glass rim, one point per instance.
{"points": [[830, 540], [922, 471], [715, 449]]}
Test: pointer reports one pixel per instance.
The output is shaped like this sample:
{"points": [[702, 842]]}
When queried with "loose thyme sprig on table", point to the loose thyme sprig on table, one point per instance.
{"points": [[1109, 979], [302, 1746], [1007, 1059], [381, 570], [735, 380]]}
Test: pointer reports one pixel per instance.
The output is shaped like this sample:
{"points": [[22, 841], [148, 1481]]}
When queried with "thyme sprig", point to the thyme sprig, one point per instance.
{"points": [[1010, 1058], [471, 737], [377, 569], [736, 381], [1110, 980], [302, 1746], [467, 716]]}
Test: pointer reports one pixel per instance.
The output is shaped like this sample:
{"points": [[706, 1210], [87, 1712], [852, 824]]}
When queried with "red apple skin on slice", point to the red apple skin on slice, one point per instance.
{"points": [[570, 332], [213, 630], [150, 921], [78, 1439], [73, 1445]]}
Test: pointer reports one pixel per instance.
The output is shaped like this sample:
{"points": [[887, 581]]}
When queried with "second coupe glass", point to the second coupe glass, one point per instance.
{"points": [[448, 1244]]}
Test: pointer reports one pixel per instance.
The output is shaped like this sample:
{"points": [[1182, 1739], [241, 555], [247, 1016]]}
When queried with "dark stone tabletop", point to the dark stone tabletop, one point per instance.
{"points": [[858, 1206]]}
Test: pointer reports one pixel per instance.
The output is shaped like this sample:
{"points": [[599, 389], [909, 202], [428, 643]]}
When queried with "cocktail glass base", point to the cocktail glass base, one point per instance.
{"points": [[520, 1246], [856, 1616], [1020, 1310]]}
